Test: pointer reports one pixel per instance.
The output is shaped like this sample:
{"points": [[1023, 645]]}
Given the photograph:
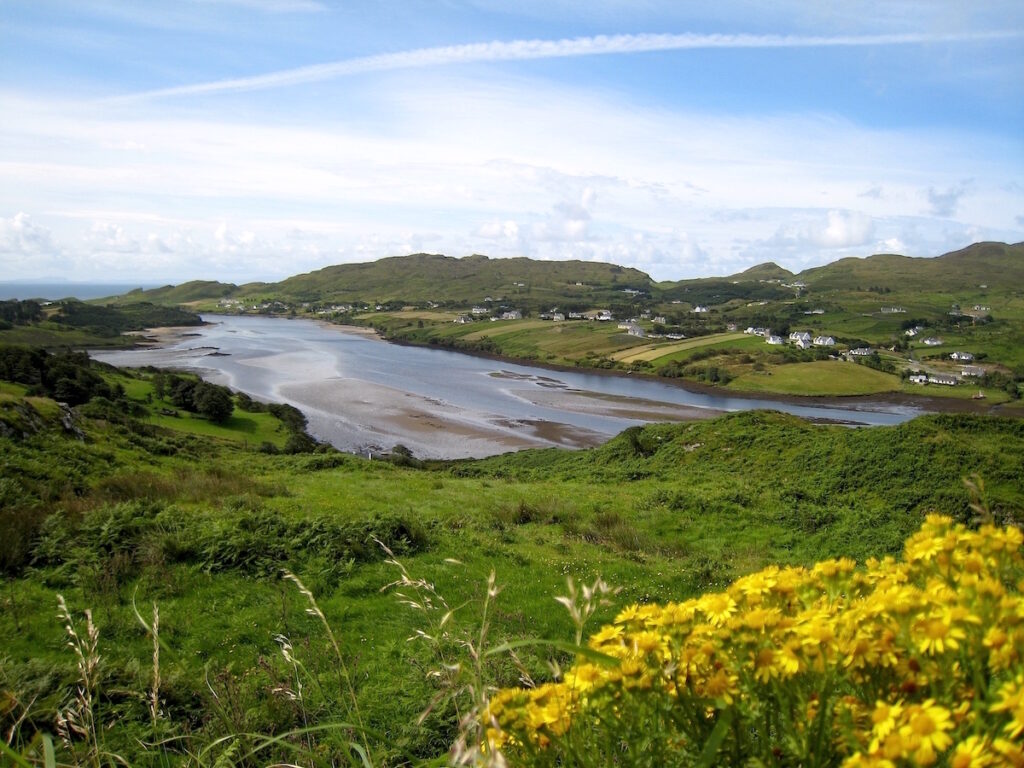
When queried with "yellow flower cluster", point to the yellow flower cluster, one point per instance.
{"points": [[907, 662]]}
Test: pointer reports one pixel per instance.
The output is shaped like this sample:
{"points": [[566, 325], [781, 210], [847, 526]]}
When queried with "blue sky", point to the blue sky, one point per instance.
{"points": [[255, 139]]}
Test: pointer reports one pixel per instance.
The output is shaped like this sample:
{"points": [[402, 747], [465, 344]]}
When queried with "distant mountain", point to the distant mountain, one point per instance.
{"points": [[767, 271], [425, 277], [195, 290], [979, 264]]}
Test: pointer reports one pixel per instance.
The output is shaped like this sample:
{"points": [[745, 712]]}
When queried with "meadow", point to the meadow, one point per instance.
{"points": [[276, 601]]}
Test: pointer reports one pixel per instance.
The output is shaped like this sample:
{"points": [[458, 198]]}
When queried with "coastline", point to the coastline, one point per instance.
{"points": [[929, 404], [155, 337]]}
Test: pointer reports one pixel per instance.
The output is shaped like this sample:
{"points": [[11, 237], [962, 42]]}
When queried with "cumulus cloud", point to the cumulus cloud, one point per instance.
{"points": [[944, 202], [110, 237], [837, 230], [21, 236]]}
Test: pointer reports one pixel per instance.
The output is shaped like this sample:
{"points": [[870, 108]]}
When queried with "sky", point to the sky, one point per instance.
{"points": [[238, 140]]}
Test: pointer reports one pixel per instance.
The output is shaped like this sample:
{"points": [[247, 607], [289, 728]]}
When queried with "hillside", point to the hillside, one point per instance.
{"points": [[428, 277], [997, 265], [185, 293], [130, 503], [766, 271]]}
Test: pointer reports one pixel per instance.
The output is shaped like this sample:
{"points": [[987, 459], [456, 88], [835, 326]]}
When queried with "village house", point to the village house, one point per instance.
{"points": [[480, 311], [963, 357], [814, 311], [512, 314], [557, 317], [660, 320], [462, 320], [943, 378], [604, 315], [800, 336], [802, 343], [756, 331], [912, 332], [775, 340], [893, 310], [918, 378], [972, 370], [824, 341], [575, 315], [700, 309], [861, 352], [636, 330], [728, 326], [931, 341]]}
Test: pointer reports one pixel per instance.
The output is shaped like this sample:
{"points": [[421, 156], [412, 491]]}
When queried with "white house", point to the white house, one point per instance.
{"points": [[912, 332], [893, 310], [942, 378], [480, 311], [919, 378], [861, 352], [700, 309], [512, 314], [824, 341], [931, 341], [972, 370], [604, 315], [775, 340], [462, 320], [800, 336], [802, 343], [963, 357], [636, 330], [558, 317], [660, 320]]}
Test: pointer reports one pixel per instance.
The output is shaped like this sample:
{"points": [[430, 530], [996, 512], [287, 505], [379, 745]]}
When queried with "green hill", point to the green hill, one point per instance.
{"points": [[194, 290], [767, 271], [422, 277], [997, 265]]}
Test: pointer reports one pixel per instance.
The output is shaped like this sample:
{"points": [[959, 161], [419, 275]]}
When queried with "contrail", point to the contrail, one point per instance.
{"points": [[522, 50]]}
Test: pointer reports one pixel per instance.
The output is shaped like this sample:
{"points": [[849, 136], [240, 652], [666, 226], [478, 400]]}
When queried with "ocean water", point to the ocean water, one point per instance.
{"points": [[54, 291]]}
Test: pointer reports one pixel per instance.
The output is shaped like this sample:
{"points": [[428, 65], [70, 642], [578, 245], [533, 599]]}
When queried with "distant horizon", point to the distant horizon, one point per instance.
{"points": [[149, 283], [268, 138]]}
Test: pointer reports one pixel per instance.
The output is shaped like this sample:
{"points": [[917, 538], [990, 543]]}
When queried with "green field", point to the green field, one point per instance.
{"points": [[827, 377]]}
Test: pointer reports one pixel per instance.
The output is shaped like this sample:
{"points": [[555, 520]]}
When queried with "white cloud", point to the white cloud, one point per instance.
{"points": [[945, 202], [21, 236], [525, 50]]}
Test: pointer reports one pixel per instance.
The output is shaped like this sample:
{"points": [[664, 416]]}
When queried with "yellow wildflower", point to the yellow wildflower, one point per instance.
{"points": [[718, 607], [937, 634], [973, 752], [925, 732], [1011, 701]]}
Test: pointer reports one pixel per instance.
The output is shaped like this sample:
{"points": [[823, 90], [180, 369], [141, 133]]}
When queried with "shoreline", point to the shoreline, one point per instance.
{"points": [[926, 403], [162, 336]]}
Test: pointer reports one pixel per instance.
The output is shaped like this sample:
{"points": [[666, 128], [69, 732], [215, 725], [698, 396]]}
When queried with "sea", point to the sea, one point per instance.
{"points": [[65, 290]]}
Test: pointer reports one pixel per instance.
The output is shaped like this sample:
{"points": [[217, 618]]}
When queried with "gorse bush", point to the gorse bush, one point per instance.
{"points": [[911, 662]]}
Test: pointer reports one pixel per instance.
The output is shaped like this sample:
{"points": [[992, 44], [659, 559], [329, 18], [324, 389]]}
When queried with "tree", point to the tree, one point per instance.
{"points": [[213, 402]]}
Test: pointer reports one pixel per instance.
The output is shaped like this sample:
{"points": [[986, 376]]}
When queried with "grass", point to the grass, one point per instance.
{"points": [[665, 512], [825, 377], [659, 351]]}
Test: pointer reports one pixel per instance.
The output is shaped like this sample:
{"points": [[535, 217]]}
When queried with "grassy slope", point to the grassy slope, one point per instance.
{"points": [[202, 527], [825, 377]]}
